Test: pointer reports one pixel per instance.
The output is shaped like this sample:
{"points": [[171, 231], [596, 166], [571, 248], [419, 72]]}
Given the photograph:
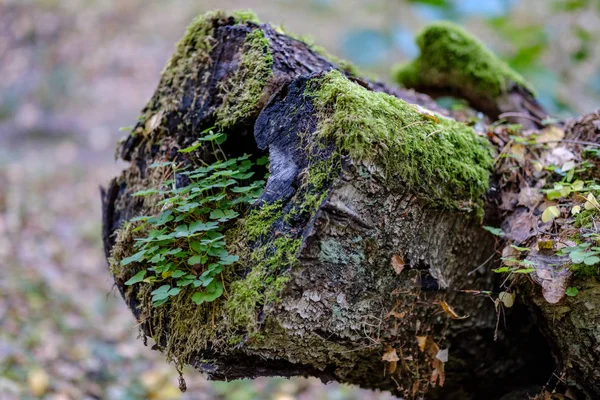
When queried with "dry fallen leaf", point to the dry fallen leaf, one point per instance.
{"points": [[38, 382], [390, 355], [422, 341], [437, 375], [508, 299], [398, 263], [442, 355], [550, 135], [153, 122], [450, 311], [530, 197], [569, 165], [591, 203], [518, 150], [550, 213], [396, 314], [559, 156]]}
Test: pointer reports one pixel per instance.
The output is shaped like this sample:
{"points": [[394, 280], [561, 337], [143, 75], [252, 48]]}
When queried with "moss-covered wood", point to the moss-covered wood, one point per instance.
{"points": [[359, 261], [453, 62]]}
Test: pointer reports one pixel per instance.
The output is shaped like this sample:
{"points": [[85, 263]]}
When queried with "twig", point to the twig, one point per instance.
{"points": [[570, 141], [482, 265], [521, 115]]}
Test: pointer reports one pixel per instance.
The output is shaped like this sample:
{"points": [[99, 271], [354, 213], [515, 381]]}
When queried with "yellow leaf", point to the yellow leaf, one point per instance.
{"points": [[450, 311], [508, 299], [551, 134], [575, 210], [591, 203], [577, 185], [166, 274], [168, 392], [550, 213], [422, 341], [38, 382], [518, 150]]}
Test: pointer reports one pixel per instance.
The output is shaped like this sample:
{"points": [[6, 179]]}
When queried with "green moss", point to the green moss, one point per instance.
{"points": [[243, 16], [260, 220], [451, 57], [245, 88], [191, 55], [444, 160], [585, 219], [263, 283]]}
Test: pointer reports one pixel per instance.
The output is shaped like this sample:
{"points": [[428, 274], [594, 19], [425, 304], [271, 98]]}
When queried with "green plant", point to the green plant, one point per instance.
{"points": [[583, 253], [185, 245]]}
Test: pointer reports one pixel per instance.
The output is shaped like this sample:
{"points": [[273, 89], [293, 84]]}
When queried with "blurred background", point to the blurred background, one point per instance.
{"points": [[73, 71]]}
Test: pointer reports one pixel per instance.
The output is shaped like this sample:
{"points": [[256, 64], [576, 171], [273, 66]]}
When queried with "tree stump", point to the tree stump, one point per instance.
{"points": [[360, 256]]}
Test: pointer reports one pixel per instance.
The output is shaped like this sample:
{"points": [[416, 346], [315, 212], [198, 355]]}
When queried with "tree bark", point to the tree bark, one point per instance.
{"points": [[375, 295]]}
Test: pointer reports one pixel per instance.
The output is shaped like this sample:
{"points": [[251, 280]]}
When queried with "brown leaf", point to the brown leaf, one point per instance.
{"points": [[519, 225], [450, 311], [550, 135], [530, 197], [398, 263], [438, 375], [392, 367], [396, 314], [390, 355]]}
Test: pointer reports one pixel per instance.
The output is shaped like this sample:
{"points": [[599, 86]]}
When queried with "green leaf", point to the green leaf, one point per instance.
{"points": [[191, 148], [593, 260], [193, 260], [136, 257], [216, 214], [577, 256], [136, 278], [200, 226], [162, 289], [494, 231], [178, 273], [228, 260], [501, 270], [520, 248], [571, 291], [524, 271]]}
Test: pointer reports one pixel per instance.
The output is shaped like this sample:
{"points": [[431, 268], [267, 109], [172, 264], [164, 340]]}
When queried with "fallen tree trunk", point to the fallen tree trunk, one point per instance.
{"points": [[358, 257]]}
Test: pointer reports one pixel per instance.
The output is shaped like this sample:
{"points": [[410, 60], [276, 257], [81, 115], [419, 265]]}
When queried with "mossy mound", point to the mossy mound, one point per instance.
{"points": [[443, 160], [452, 58]]}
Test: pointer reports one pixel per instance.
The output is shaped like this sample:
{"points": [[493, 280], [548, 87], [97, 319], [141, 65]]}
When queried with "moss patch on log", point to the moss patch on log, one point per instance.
{"points": [[444, 160], [244, 90], [451, 57], [191, 55]]}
